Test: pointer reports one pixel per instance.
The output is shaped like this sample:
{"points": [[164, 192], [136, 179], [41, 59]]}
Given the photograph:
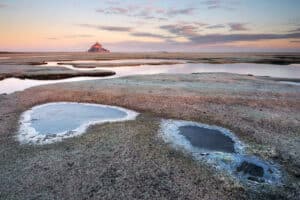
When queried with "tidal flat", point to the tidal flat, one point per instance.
{"points": [[129, 159]]}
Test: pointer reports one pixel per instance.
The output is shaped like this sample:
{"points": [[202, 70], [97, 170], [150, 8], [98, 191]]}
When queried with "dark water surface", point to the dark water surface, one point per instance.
{"points": [[221, 149], [209, 139]]}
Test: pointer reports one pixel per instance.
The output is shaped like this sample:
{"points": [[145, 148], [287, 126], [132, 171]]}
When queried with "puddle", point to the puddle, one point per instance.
{"points": [[209, 139], [53, 122], [220, 148]]}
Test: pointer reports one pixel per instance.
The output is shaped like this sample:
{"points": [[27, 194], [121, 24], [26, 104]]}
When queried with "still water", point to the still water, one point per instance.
{"points": [[219, 148], [11, 85], [54, 121]]}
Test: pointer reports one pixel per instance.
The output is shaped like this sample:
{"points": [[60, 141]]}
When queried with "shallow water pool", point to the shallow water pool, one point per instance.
{"points": [[54, 121], [206, 138], [219, 148]]}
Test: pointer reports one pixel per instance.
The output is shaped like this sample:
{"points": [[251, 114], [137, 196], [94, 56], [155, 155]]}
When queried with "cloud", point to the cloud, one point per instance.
{"points": [[182, 29], [220, 4], [114, 10], [217, 26], [237, 27], [295, 30], [151, 35], [222, 38], [129, 30], [108, 28], [150, 13], [185, 11], [146, 12], [116, 28], [232, 26]]}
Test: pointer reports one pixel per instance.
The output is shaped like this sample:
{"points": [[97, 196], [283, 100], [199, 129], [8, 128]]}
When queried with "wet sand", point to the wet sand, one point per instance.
{"points": [[128, 160]]}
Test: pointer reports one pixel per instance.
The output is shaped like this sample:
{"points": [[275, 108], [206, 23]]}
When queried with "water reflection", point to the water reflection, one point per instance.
{"points": [[234, 160], [291, 71], [53, 122]]}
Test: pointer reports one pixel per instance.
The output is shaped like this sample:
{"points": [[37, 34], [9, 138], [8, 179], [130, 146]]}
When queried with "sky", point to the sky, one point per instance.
{"points": [[151, 25]]}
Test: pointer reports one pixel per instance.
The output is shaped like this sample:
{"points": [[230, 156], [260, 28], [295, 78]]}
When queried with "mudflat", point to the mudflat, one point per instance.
{"points": [[129, 160], [263, 58], [46, 73], [27, 65]]}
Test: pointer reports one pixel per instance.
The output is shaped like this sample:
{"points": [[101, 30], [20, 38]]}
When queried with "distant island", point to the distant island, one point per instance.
{"points": [[97, 48]]}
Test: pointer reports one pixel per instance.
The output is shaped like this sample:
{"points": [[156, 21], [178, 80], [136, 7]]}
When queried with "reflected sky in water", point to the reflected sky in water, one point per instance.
{"points": [[288, 71]]}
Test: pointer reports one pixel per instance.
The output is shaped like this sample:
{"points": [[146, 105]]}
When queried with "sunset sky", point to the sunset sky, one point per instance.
{"points": [[150, 25]]}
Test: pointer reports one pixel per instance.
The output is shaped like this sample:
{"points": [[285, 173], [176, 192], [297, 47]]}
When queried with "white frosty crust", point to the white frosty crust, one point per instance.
{"points": [[170, 133], [28, 135]]}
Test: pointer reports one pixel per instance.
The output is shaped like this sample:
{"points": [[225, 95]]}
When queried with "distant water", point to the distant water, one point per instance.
{"points": [[52, 122], [128, 61], [280, 71], [290, 71]]}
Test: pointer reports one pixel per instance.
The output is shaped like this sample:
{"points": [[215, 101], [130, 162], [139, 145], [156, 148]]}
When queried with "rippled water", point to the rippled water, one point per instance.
{"points": [[291, 71], [54, 121]]}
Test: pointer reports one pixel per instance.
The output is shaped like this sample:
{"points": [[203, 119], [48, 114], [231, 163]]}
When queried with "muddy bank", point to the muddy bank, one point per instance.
{"points": [[46, 73], [220, 58], [123, 64], [296, 80], [129, 160]]}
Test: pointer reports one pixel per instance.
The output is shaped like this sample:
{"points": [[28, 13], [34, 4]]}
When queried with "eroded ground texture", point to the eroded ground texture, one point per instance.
{"points": [[128, 160], [39, 57], [29, 71]]}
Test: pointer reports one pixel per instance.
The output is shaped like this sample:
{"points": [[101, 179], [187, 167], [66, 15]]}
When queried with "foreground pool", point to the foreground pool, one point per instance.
{"points": [[53, 122], [219, 148]]}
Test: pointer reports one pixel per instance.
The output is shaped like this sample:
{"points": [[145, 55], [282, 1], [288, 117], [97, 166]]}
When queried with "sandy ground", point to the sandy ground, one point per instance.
{"points": [[128, 160]]}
